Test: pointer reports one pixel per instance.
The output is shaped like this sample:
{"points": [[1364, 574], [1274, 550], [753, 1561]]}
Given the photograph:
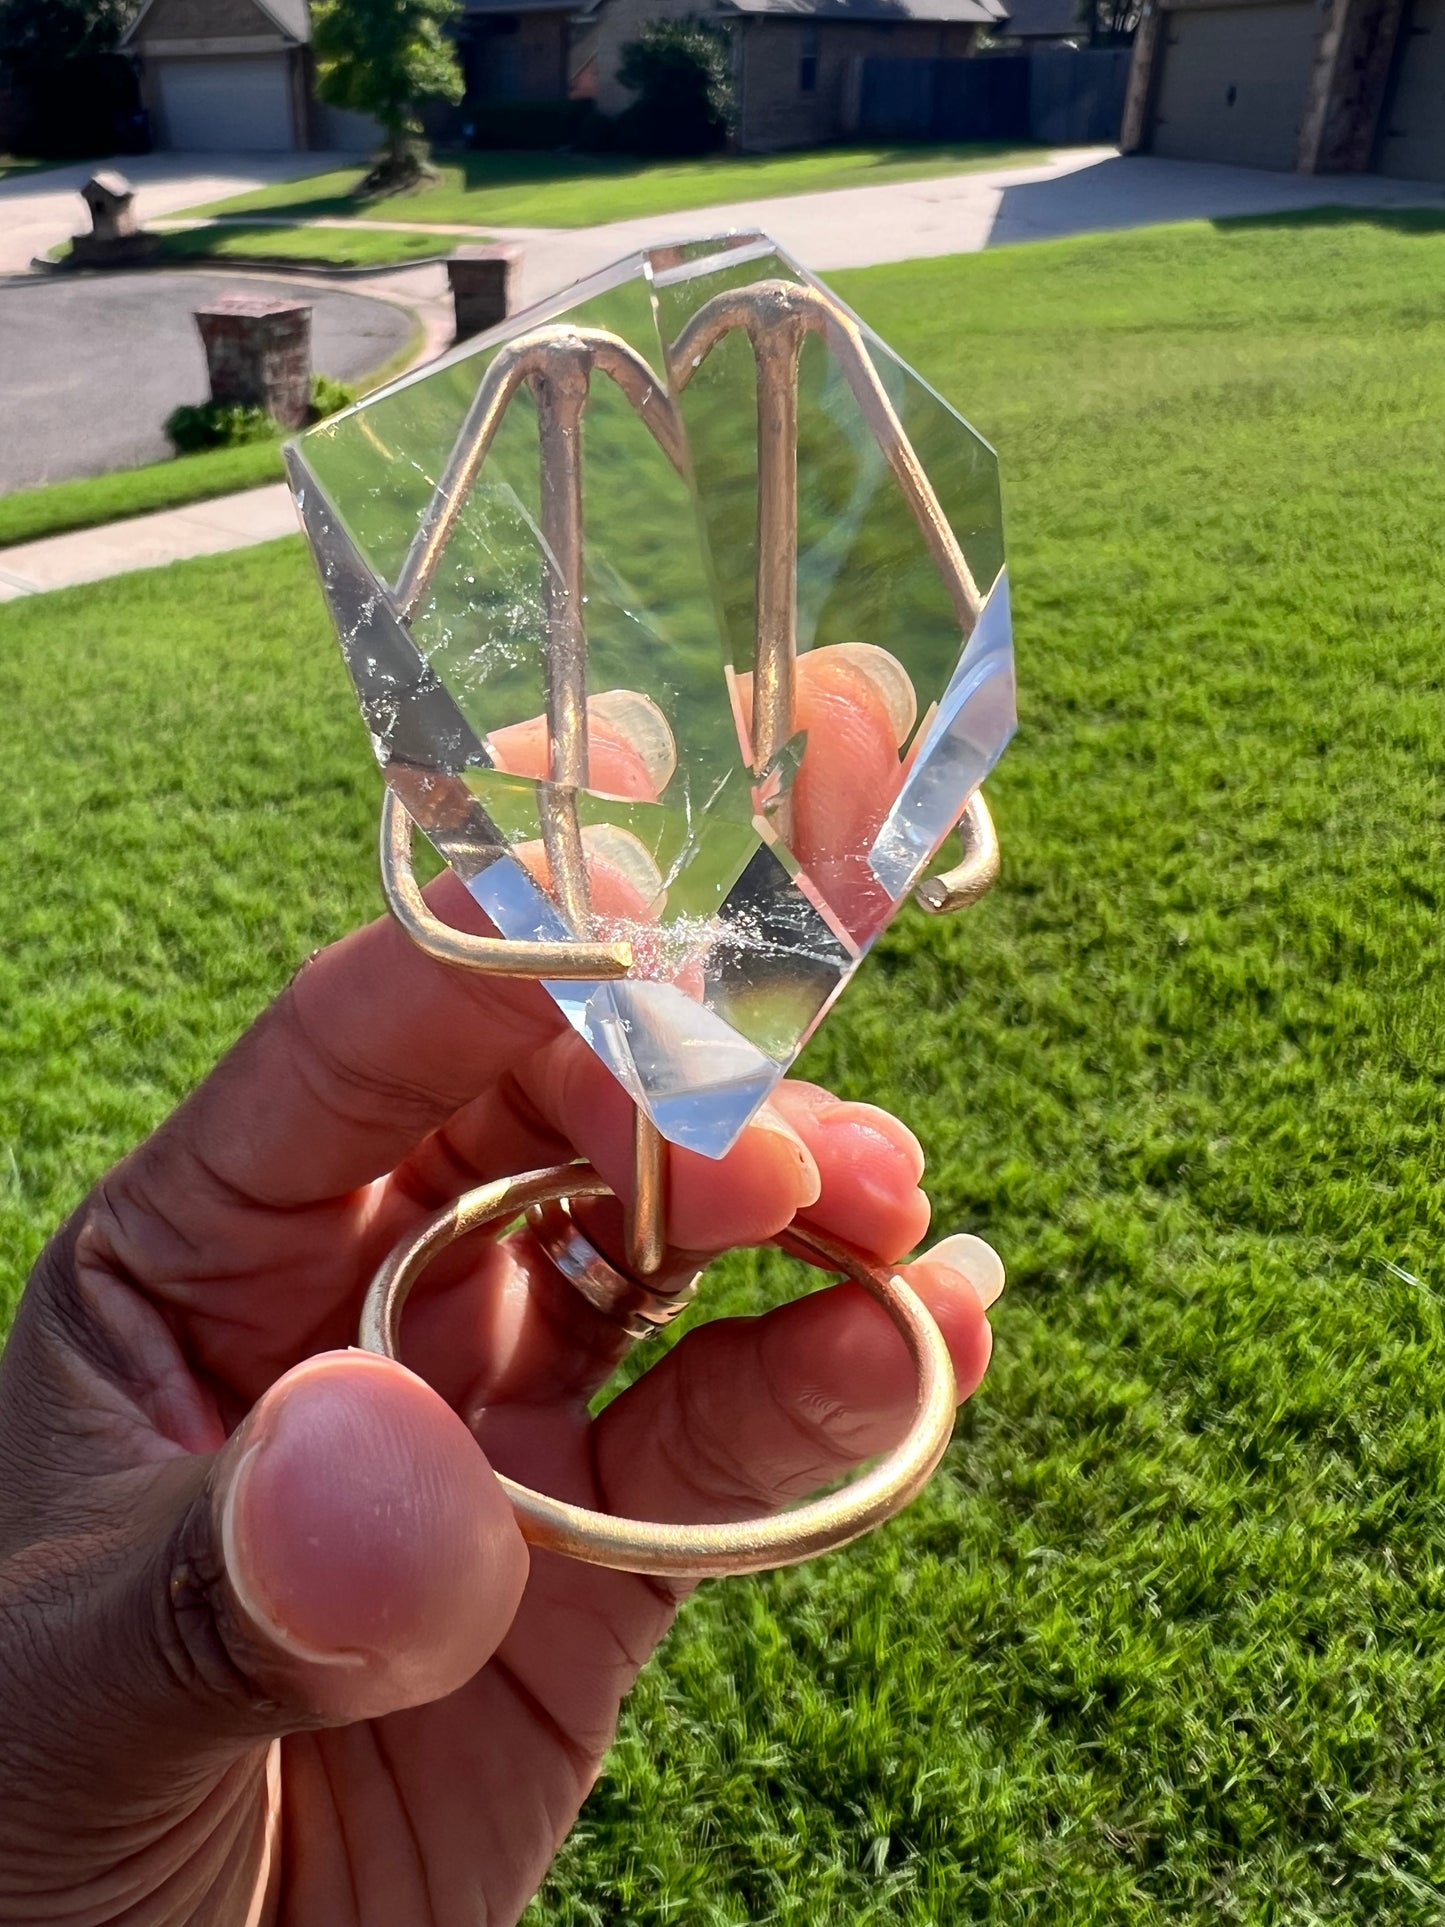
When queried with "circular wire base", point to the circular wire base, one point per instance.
{"points": [[694, 1551]]}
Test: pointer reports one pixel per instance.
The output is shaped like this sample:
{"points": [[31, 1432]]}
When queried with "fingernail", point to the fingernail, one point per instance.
{"points": [[625, 853], [889, 678], [809, 1179], [638, 720], [262, 1619], [974, 1260], [894, 1133]]}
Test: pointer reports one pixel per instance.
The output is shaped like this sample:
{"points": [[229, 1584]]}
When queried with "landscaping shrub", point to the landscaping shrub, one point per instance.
{"points": [[681, 72], [215, 424], [228, 425], [329, 396]]}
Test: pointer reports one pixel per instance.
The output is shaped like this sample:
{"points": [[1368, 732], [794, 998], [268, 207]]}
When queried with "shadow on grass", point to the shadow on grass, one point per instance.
{"points": [[1394, 220], [268, 242], [485, 170]]}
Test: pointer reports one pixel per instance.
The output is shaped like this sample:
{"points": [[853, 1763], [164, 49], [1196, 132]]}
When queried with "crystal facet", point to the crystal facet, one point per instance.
{"points": [[578, 538]]}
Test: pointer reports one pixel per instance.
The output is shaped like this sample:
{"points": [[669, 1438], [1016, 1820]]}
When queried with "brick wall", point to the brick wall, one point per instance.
{"points": [[774, 109], [528, 62], [599, 47]]}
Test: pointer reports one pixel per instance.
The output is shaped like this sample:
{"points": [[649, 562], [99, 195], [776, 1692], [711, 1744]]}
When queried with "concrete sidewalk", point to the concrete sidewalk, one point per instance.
{"points": [[147, 541], [1079, 191]]}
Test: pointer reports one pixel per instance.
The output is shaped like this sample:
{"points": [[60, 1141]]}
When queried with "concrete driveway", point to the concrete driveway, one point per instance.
{"points": [[1076, 191], [39, 210], [95, 363]]}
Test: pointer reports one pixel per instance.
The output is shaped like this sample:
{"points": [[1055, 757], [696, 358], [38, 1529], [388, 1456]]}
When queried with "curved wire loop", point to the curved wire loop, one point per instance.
{"points": [[976, 872], [489, 956], [694, 1551]]}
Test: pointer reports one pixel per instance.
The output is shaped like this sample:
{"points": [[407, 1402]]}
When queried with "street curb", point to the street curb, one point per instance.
{"points": [[268, 264]]}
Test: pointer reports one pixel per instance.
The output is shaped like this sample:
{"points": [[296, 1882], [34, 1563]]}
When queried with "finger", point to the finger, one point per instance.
{"points": [[349, 1554], [849, 1170], [854, 706], [747, 1414], [624, 882], [630, 747], [493, 1324], [373, 1044]]}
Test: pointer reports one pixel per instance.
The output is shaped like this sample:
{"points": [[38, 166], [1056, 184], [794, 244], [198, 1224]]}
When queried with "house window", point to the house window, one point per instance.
{"points": [[808, 63]]}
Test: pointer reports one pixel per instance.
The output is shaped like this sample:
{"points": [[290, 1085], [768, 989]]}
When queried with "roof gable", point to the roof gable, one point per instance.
{"points": [[217, 20], [880, 12], [1044, 19]]}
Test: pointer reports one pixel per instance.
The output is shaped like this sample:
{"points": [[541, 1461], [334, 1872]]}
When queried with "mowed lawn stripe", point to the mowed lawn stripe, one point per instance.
{"points": [[1166, 1640], [516, 189]]}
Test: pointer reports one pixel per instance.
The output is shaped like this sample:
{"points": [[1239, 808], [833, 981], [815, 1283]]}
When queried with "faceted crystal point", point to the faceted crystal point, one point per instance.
{"points": [[677, 614]]}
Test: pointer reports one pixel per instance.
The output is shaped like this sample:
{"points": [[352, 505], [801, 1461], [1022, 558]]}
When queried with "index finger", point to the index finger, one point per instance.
{"points": [[370, 1048]]}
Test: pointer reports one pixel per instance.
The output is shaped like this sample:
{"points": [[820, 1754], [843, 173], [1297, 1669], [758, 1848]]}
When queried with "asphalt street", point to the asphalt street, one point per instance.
{"points": [[93, 365]]}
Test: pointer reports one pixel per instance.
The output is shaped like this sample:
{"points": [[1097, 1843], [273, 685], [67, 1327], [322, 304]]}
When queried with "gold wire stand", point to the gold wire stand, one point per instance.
{"points": [[557, 365], [694, 1551]]}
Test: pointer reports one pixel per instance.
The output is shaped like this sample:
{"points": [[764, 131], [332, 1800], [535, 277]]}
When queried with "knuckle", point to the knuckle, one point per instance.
{"points": [[205, 1648], [719, 1469]]}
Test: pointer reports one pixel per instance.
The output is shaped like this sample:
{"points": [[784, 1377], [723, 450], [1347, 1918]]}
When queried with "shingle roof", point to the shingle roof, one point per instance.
{"points": [[981, 13], [471, 7], [291, 16], [1044, 19]]}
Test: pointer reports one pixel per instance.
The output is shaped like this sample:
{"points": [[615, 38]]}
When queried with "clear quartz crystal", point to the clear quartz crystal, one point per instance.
{"points": [[748, 895]]}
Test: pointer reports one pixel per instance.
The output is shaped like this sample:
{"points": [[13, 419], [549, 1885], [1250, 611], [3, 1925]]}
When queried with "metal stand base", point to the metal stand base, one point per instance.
{"points": [[693, 1551]]}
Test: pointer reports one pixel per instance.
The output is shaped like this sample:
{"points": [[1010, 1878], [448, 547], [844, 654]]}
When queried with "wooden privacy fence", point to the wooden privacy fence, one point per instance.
{"points": [[1062, 96]]}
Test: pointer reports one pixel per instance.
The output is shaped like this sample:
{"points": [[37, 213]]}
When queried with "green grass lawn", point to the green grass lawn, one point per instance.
{"points": [[336, 247], [30, 513], [12, 166], [577, 190], [55, 508], [1165, 1642]]}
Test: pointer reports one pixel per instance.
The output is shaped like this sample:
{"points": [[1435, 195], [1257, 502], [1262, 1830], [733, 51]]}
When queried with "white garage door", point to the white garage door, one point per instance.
{"points": [[1234, 83], [1412, 128], [226, 105]]}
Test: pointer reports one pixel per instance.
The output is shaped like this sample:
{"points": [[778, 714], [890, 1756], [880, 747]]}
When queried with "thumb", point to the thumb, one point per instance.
{"points": [[356, 1554]]}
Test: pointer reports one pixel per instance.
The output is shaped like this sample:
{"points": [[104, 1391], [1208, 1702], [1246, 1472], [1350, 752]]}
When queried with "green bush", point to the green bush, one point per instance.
{"points": [[329, 396], [227, 425], [218, 425], [681, 72]]}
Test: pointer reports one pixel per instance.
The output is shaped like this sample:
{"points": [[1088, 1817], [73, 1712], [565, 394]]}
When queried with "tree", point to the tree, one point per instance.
{"points": [[681, 72], [61, 55], [1111, 22], [37, 36], [384, 58]]}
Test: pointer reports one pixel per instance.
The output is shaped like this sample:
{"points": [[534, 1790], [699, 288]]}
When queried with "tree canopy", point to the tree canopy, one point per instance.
{"points": [[384, 58]]}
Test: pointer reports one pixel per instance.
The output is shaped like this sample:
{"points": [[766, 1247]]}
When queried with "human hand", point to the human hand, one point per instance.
{"points": [[271, 1646]]}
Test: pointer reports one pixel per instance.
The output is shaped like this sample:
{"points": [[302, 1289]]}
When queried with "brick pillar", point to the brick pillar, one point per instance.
{"points": [[484, 287], [1351, 77], [258, 355], [1135, 130]]}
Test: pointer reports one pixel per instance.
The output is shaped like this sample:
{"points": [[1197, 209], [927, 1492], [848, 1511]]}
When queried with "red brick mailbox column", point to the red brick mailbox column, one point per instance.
{"points": [[483, 287], [258, 355]]}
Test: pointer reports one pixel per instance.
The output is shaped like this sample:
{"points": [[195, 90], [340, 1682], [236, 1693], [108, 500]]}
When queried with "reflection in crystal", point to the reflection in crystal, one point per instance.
{"points": [[957, 749], [748, 894]]}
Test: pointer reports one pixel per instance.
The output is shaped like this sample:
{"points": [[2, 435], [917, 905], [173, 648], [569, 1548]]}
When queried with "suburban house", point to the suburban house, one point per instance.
{"points": [[1042, 23], [796, 62], [516, 50], [234, 76], [799, 63], [1317, 86]]}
